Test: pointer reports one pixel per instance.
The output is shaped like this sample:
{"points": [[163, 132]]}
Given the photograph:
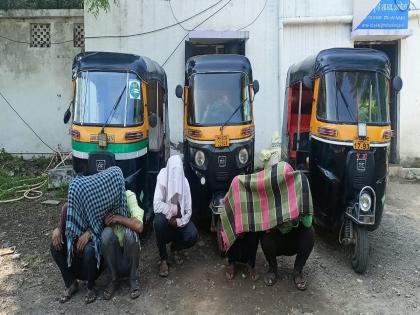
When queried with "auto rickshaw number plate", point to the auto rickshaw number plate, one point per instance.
{"points": [[361, 145], [221, 141]]}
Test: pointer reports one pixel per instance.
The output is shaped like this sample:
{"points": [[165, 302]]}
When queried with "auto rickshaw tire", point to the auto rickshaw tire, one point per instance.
{"points": [[222, 253], [359, 260]]}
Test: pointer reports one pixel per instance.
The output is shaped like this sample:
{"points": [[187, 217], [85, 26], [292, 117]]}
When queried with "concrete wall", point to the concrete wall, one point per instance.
{"points": [[130, 17], [36, 81]]}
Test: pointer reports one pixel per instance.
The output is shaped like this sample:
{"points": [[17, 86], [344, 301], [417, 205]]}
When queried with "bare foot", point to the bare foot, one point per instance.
{"points": [[299, 280], [90, 296], [230, 272], [110, 289], [163, 269], [253, 273], [70, 291], [270, 278]]}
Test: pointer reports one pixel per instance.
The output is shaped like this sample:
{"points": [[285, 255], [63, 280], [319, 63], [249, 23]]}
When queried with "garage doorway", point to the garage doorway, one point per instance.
{"points": [[391, 49]]}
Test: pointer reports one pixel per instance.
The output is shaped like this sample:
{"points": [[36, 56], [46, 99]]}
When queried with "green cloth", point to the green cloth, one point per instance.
{"points": [[134, 211], [286, 227], [264, 200]]}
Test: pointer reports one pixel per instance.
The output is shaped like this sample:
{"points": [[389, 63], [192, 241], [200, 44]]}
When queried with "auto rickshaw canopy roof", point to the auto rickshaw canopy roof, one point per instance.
{"points": [[340, 59], [218, 63], [144, 67]]}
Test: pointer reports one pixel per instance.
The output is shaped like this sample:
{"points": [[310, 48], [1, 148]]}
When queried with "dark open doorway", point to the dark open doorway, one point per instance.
{"points": [[392, 51], [215, 42], [230, 47]]}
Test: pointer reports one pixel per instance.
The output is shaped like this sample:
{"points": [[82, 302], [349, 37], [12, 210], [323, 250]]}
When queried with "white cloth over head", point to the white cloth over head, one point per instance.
{"points": [[172, 188]]}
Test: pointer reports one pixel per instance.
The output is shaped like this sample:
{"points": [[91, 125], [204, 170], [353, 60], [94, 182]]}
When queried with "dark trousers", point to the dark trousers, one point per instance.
{"points": [[244, 249], [299, 241], [181, 237], [83, 266], [121, 261]]}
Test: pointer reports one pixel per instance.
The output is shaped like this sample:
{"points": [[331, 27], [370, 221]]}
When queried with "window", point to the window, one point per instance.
{"points": [[40, 35], [112, 98], [78, 35], [351, 97], [218, 98]]}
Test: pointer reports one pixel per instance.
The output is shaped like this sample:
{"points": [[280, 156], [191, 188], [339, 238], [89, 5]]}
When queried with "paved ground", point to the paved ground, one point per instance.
{"points": [[30, 283]]}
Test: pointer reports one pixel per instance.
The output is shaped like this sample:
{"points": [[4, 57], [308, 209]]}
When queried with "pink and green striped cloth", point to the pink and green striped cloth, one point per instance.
{"points": [[261, 201]]}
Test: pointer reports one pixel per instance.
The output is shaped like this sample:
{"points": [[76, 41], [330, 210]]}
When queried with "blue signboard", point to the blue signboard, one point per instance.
{"points": [[388, 14], [380, 18]]}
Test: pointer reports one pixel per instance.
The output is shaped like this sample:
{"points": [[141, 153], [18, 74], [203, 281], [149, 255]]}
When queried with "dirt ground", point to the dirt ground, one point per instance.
{"points": [[30, 282]]}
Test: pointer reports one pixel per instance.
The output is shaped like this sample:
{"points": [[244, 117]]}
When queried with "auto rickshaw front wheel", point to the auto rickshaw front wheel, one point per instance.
{"points": [[359, 259]]}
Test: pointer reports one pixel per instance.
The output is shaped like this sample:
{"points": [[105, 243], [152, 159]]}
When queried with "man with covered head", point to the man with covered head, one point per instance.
{"points": [[172, 207]]}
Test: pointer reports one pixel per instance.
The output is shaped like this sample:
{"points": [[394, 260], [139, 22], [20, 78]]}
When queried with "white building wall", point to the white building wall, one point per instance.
{"points": [[36, 81], [129, 17], [410, 96]]}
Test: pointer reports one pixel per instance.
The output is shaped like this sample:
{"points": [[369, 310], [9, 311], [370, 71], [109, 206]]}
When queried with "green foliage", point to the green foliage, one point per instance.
{"points": [[41, 4], [17, 172], [94, 6]]}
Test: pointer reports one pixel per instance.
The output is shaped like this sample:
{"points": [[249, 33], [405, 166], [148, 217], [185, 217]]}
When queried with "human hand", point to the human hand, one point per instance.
{"points": [[172, 222], [82, 241], [57, 239], [112, 219], [178, 212]]}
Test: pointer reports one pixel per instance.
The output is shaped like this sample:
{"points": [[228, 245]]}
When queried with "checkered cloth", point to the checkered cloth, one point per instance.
{"points": [[90, 199]]}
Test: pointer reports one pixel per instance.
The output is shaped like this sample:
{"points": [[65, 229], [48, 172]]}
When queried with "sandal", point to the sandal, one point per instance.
{"points": [[90, 296], [110, 290], [299, 281], [69, 292], [270, 278], [163, 269], [230, 272], [134, 289]]}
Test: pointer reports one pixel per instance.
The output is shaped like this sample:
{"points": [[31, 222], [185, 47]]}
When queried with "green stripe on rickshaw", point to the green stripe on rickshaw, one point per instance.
{"points": [[112, 147]]}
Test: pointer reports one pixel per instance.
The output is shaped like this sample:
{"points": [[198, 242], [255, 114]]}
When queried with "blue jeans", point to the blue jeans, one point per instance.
{"points": [[181, 237]]}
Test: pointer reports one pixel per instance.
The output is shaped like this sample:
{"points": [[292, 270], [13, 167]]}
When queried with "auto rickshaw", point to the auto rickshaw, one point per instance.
{"points": [[218, 128], [120, 117], [337, 129]]}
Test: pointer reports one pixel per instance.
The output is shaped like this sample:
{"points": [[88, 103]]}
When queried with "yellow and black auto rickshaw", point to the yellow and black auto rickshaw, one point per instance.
{"points": [[218, 127], [120, 117], [337, 128]]}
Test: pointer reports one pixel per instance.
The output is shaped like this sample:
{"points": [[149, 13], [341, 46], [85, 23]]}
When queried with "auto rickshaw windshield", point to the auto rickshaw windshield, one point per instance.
{"points": [[214, 97], [351, 97], [97, 94]]}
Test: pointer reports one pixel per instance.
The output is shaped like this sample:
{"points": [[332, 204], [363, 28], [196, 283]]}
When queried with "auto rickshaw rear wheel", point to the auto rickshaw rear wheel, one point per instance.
{"points": [[360, 255]]}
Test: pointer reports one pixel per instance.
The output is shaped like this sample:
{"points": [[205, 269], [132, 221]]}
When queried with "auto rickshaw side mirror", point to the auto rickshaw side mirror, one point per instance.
{"points": [[397, 83], [307, 82], [179, 91], [256, 86], [153, 120], [67, 115]]}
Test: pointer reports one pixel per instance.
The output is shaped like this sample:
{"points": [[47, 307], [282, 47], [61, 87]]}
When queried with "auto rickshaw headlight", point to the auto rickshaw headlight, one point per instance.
{"points": [[199, 158], [365, 202], [243, 156]]}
